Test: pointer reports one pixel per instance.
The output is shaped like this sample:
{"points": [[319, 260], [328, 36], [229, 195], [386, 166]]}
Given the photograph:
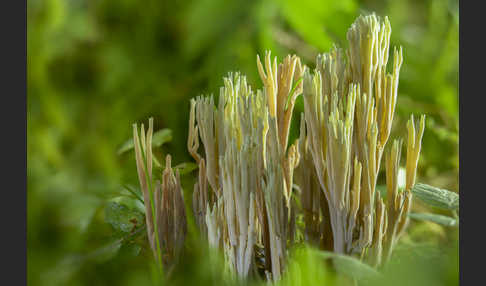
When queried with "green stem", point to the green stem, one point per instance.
{"points": [[137, 196]]}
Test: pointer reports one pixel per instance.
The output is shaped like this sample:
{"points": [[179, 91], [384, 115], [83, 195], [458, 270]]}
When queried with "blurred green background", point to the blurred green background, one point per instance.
{"points": [[95, 67]]}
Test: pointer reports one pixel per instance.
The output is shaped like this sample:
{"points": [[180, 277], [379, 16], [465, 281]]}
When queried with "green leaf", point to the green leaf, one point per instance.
{"points": [[439, 219], [293, 90], [134, 191], [158, 139], [186, 167], [128, 145], [162, 136], [436, 197], [122, 218], [130, 249], [349, 265]]}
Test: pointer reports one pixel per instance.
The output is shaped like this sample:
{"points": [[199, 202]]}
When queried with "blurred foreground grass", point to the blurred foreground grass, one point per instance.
{"points": [[96, 67]]}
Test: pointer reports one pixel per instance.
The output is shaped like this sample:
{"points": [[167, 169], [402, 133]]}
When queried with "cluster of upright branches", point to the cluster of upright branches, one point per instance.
{"points": [[165, 212], [244, 200], [349, 104]]}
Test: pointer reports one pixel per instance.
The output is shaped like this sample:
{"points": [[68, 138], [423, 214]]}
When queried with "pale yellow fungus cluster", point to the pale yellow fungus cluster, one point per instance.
{"points": [[245, 197]]}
